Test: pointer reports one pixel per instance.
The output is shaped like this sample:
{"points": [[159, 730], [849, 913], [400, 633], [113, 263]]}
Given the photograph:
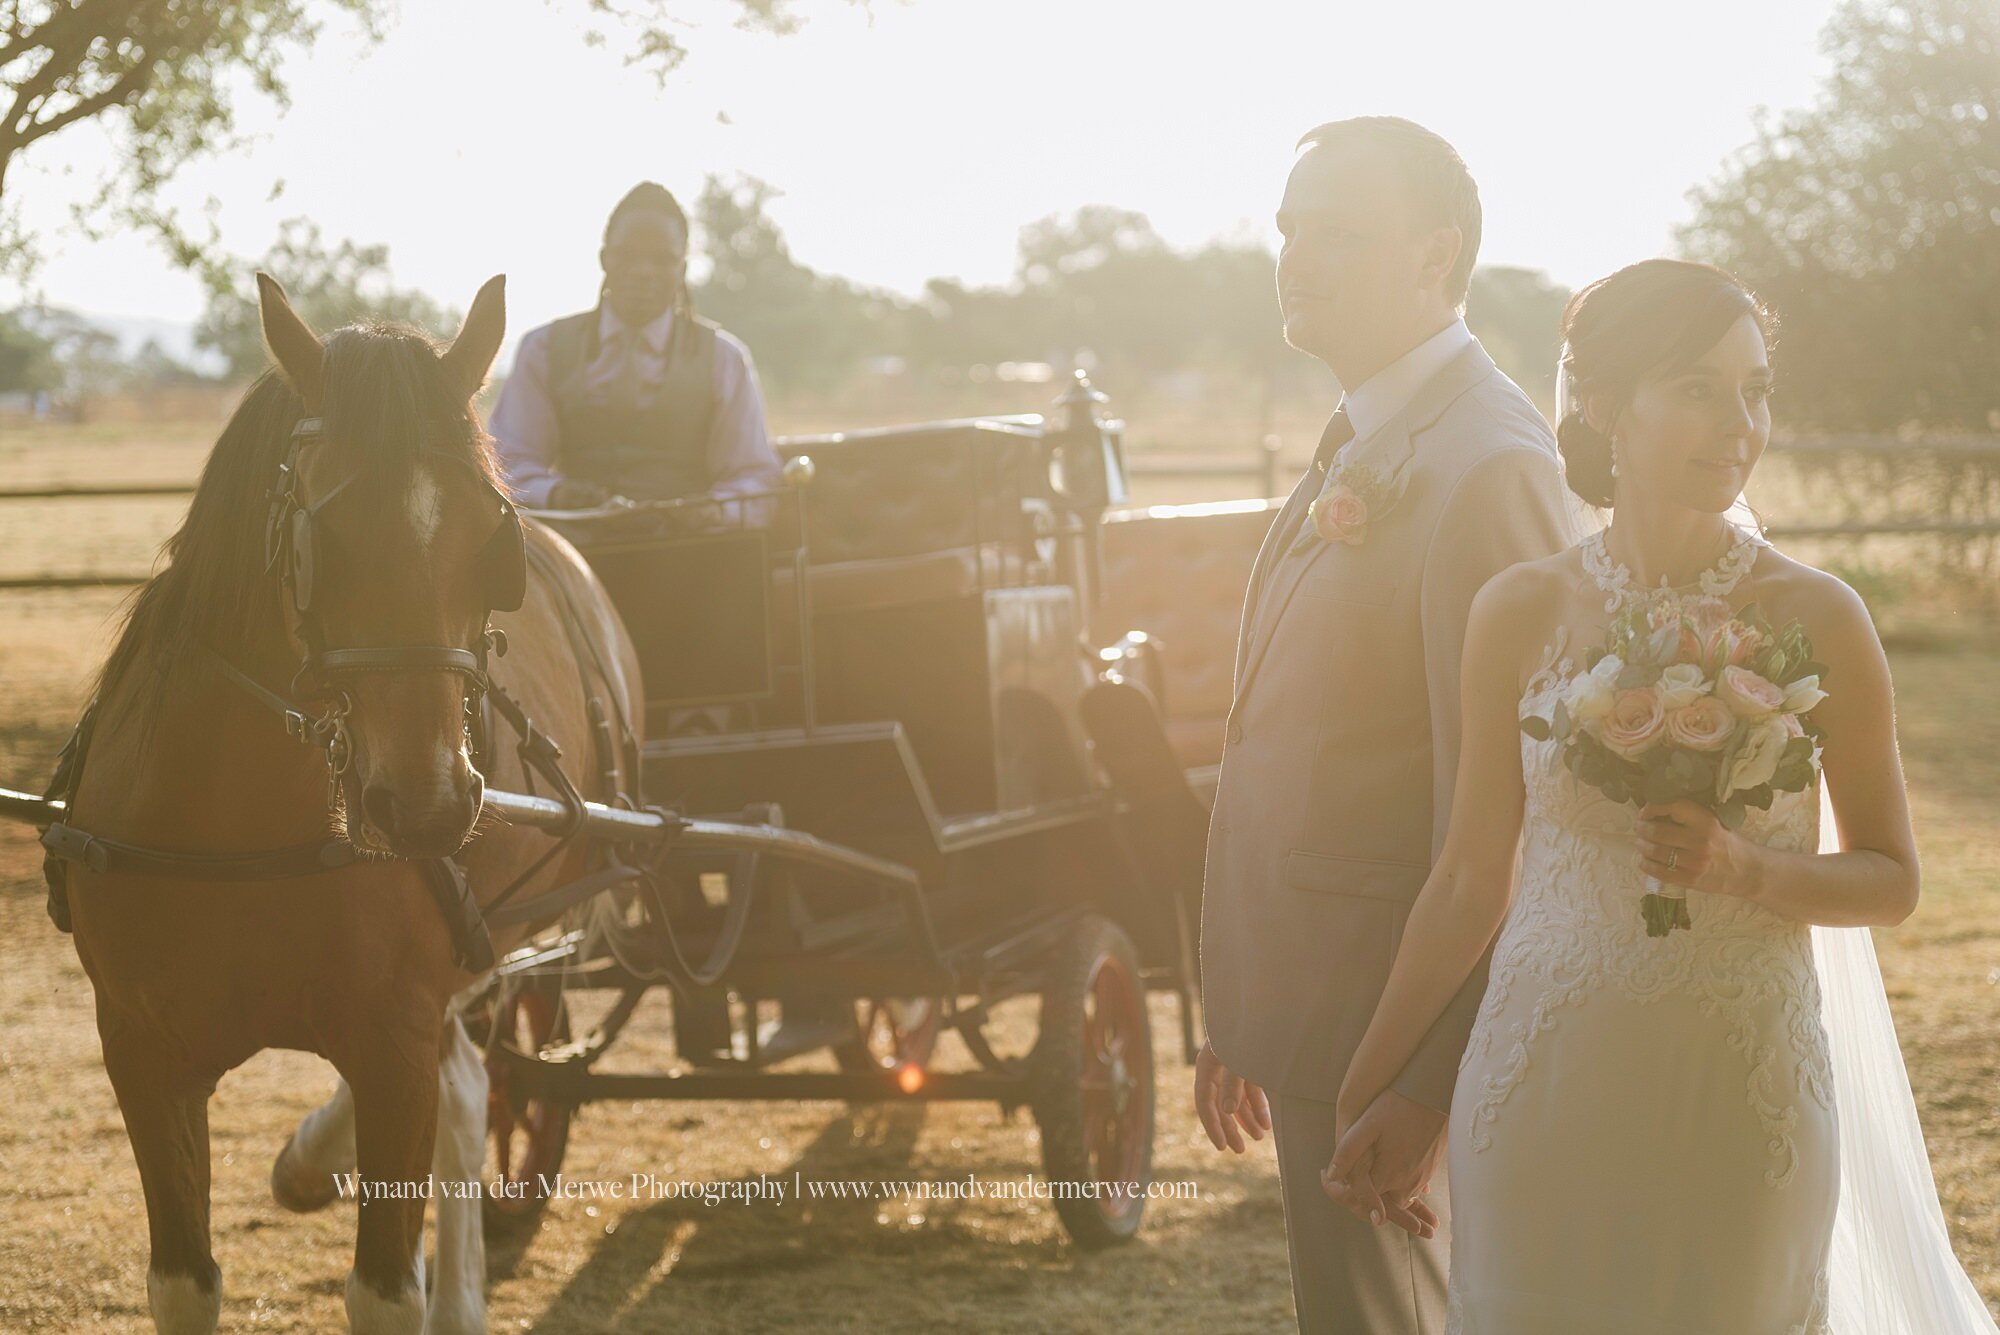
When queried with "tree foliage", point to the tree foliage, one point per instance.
{"points": [[1871, 222], [163, 76], [167, 79], [1097, 287], [329, 286]]}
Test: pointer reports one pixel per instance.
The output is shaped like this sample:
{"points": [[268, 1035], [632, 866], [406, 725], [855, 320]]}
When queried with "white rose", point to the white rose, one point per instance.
{"points": [[1756, 760], [1590, 696], [1681, 685], [1802, 695]]}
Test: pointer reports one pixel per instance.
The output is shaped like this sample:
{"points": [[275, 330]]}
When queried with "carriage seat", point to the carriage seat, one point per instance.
{"points": [[1179, 573], [916, 514]]}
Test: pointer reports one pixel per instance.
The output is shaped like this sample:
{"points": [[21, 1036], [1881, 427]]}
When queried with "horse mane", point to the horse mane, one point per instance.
{"points": [[386, 401]]}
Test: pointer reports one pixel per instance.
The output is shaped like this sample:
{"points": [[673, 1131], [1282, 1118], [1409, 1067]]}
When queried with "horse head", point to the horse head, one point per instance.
{"points": [[392, 541]]}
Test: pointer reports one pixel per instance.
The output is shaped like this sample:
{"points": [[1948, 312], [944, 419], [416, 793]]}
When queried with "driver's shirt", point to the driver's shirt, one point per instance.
{"points": [[528, 440]]}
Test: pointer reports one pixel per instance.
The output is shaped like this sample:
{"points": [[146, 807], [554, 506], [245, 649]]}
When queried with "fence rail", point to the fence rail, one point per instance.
{"points": [[1265, 465]]}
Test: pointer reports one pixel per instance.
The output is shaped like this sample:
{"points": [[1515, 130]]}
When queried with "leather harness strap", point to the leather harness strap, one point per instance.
{"points": [[288, 530]]}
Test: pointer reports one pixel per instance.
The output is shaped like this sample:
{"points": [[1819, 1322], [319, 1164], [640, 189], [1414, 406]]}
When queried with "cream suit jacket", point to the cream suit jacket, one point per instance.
{"points": [[1342, 741]]}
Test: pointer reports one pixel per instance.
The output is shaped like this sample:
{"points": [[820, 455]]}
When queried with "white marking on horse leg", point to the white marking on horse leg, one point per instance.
{"points": [[180, 1307], [458, 1291], [302, 1177], [369, 1313], [426, 506]]}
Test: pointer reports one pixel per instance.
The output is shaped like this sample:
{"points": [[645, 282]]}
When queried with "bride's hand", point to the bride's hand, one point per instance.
{"points": [[1682, 843], [1383, 1162]]}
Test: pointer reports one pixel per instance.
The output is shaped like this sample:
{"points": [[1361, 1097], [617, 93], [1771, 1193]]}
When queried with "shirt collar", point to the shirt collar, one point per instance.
{"points": [[1372, 403], [609, 327]]}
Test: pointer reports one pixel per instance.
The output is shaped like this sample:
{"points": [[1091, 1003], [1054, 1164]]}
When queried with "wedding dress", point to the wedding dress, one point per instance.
{"points": [[1681, 1135]]}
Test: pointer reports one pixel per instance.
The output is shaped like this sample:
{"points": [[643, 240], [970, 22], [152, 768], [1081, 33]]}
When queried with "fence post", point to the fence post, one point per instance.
{"points": [[1268, 465]]}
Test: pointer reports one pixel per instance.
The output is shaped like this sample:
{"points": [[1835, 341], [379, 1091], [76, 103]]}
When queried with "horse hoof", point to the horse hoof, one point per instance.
{"points": [[300, 1197]]}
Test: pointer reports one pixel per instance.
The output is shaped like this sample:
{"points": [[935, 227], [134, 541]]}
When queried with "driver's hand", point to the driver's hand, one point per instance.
{"points": [[574, 494]]}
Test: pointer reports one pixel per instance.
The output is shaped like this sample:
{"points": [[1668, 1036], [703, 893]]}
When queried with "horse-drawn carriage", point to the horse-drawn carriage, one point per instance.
{"points": [[911, 657], [924, 732]]}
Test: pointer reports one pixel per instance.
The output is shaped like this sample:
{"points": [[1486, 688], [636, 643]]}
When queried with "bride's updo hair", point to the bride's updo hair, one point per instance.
{"points": [[1656, 316]]}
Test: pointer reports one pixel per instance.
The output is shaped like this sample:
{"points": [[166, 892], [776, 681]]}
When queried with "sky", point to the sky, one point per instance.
{"points": [[914, 138]]}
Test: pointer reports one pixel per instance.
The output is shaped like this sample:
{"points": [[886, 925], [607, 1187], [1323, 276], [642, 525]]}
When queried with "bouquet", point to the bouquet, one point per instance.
{"points": [[1686, 700]]}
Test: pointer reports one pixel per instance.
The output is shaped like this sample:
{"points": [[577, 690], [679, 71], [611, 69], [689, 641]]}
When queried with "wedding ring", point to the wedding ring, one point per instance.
{"points": [[1673, 856]]}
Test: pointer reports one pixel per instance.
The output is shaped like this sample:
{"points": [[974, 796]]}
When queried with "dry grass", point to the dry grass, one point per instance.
{"points": [[72, 1211]]}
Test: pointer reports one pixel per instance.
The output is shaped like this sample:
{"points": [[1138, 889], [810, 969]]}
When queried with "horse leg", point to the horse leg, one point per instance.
{"points": [[166, 1118], [395, 1128], [303, 1177], [458, 1289]]}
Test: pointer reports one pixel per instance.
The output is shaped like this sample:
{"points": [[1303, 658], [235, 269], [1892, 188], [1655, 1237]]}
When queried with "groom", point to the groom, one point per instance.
{"points": [[1435, 474]]}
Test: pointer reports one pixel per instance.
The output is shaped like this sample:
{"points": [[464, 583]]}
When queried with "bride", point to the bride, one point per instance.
{"points": [[1708, 1132]]}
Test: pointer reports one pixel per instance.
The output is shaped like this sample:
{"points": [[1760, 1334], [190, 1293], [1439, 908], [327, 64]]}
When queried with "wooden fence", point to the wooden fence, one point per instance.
{"points": [[1266, 469]]}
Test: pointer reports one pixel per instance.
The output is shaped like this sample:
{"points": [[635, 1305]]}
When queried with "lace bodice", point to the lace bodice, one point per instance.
{"points": [[1574, 928]]}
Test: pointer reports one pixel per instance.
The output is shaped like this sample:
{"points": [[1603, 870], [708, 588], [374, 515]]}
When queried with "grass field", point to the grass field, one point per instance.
{"points": [[69, 1195]]}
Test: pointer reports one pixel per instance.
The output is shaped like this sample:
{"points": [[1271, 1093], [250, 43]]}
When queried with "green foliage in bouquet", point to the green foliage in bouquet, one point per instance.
{"points": [[1644, 642]]}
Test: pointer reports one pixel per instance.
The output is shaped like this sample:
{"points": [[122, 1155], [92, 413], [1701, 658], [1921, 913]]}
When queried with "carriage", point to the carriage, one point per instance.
{"points": [[930, 729], [908, 715]]}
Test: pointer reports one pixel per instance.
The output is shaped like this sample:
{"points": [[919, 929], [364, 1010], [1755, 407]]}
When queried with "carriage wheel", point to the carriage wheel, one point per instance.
{"points": [[1093, 1083], [891, 1035], [528, 1135]]}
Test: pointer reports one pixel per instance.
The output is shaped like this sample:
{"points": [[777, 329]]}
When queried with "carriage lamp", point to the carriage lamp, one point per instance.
{"points": [[1087, 475]]}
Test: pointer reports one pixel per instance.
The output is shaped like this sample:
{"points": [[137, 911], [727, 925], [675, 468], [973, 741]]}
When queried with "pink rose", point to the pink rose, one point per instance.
{"points": [[1793, 728], [1635, 723], [1340, 515], [1703, 725], [1747, 694], [1702, 621]]}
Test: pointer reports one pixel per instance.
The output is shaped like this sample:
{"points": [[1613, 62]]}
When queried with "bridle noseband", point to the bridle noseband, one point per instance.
{"points": [[291, 548]]}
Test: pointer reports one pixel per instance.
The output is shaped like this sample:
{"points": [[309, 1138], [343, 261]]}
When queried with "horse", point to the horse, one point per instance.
{"points": [[277, 776]]}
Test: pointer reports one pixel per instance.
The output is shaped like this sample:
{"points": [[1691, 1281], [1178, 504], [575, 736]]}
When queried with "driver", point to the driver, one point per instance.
{"points": [[638, 397]]}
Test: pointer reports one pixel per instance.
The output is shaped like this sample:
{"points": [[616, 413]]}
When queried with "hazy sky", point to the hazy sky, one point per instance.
{"points": [[915, 139]]}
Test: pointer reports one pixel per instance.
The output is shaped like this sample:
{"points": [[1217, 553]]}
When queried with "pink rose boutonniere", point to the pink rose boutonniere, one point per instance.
{"points": [[1355, 496]]}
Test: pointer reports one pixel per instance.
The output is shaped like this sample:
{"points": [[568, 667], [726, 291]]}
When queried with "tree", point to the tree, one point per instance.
{"points": [[165, 77], [329, 287], [807, 329], [1517, 314], [27, 356], [1871, 222]]}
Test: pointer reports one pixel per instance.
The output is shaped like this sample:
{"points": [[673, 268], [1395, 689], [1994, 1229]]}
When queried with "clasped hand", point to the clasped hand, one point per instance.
{"points": [[1383, 1161], [1683, 843]]}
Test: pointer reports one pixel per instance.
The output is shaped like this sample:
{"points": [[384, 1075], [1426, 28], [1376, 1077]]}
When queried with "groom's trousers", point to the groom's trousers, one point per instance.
{"points": [[1350, 1277]]}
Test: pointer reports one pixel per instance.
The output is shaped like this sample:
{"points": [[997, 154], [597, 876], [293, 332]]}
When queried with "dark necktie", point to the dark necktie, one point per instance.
{"points": [[1339, 430]]}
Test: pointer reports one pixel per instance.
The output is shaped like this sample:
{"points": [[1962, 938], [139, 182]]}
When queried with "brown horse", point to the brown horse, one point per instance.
{"points": [[383, 593]]}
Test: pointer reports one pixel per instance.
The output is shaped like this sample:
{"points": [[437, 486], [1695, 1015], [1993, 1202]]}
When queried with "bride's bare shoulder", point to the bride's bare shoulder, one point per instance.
{"points": [[1521, 603], [1818, 599], [1538, 586]]}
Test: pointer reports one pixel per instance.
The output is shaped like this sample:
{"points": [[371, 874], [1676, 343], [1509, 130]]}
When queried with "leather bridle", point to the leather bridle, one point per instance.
{"points": [[292, 549]]}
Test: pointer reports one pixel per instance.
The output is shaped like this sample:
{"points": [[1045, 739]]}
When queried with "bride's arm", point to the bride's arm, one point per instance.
{"points": [[1873, 880], [1465, 897]]}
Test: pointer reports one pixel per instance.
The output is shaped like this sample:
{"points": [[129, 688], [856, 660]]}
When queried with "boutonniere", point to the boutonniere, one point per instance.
{"points": [[1355, 496]]}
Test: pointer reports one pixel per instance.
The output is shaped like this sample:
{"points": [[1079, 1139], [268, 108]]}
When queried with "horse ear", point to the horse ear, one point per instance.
{"points": [[471, 354], [297, 350]]}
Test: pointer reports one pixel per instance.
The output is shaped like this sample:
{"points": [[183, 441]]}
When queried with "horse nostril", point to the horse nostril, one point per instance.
{"points": [[379, 804]]}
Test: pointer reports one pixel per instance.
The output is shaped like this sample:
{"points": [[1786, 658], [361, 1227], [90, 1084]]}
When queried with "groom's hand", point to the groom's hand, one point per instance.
{"points": [[1384, 1162], [1228, 1105]]}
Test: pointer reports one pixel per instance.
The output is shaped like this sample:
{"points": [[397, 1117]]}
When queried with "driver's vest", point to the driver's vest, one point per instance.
{"points": [[652, 445]]}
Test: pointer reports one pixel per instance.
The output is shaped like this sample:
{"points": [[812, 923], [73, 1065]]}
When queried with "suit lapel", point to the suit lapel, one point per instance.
{"points": [[1276, 538], [1388, 450]]}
